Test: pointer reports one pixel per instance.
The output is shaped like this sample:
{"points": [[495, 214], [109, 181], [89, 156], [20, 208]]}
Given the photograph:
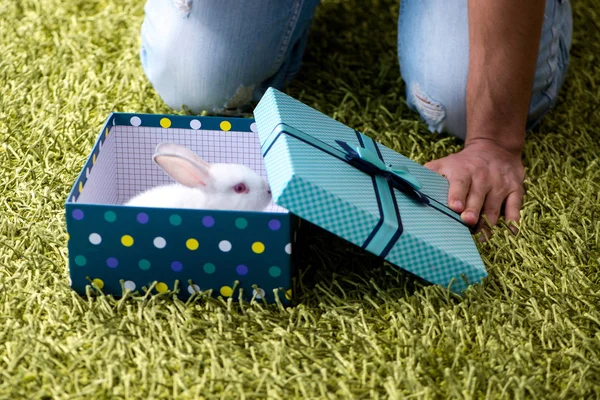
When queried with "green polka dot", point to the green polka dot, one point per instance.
{"points": [[110, 216], [241, 223], [144, 264], [275, 271], [80, 260], [209, 268], [175, 220]]}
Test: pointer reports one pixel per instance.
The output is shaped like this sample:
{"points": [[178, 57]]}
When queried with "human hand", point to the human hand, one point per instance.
{"points": [[484, 178]]}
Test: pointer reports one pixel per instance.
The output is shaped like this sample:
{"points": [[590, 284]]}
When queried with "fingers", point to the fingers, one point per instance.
{"points": [[512, 209], [459, 186], [493, 205], [458, 191], [475, 200]]}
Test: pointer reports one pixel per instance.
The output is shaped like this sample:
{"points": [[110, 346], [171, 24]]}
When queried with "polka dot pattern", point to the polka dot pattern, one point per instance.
{"points": [[225, 246], [209, 268], [142, 218], [241, 223], [225, 125], [258, 247], [127, 240], [129, 248], [95, 239], [144, 265], [110, 216], [176, 266], [162, 287], [192, 244], [159, 242], [195, 124], [165, 122]]}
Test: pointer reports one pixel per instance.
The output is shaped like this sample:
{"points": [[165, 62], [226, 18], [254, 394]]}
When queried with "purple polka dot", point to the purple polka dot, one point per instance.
{"points": [[112, 262], [208, 221], [274, 224], [241, 269], [142, 218], [77, 214], [176, 266]]}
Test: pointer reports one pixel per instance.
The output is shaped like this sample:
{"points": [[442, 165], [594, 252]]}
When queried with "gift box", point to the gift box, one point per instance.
{"points": [[114, 248], [319, 170], [350, 185]]}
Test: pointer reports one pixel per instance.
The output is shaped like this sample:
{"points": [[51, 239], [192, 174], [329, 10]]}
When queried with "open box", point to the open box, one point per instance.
{"points": [[319, 169], [119, 248]]}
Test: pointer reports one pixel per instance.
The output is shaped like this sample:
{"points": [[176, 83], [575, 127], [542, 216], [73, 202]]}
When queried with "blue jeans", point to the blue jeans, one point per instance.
{"points": [[218, 56]]}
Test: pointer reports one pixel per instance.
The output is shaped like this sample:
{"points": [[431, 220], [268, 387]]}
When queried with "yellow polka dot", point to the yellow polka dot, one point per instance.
{"points": [[98, 283], [226, 291], [225, 125], [288, 294], [258, 247], [106, 132], [68, 237], [127, 241], [161, 287], [165, 122], [192, 244], [80, 186], [93, 159]]}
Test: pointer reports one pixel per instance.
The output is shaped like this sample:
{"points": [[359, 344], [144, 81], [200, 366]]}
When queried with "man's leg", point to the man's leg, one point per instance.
{"points": [[433, 51], [219, 56]]}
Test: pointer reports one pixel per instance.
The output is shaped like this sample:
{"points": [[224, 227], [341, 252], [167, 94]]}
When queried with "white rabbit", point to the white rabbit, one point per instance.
{"points": [[202, 185]]}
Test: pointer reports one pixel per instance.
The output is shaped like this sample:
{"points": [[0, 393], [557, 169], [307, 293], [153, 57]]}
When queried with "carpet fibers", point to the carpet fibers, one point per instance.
{"points": [[360, 328]]}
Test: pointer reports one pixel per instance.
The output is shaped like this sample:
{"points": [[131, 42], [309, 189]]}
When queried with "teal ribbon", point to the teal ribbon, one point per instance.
{"points": [[385, 177], [401, 172]]}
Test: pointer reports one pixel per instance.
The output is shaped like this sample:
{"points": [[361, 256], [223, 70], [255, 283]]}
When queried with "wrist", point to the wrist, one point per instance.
{"points": [[497, 142]]}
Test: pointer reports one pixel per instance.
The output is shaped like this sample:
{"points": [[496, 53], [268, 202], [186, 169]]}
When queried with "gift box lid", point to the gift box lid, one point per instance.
{"points": [[345, 182]]}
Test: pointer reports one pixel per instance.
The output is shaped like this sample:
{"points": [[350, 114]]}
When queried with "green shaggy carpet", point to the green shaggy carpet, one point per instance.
{"points": [[360, 328]]}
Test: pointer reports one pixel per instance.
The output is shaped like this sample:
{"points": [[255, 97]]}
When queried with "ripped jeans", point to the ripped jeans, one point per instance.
{"points": [[219, 56]]}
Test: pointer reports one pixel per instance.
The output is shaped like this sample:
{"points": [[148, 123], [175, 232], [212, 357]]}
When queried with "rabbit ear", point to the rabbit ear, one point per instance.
{"points": [[182, 164]]}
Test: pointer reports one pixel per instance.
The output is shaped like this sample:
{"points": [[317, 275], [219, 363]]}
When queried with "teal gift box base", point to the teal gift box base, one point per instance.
{"points": [[115, 248], [345, 182]]}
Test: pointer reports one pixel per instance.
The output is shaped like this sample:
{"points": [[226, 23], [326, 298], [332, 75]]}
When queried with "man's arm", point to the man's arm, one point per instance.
{"points": [[504, 37]]}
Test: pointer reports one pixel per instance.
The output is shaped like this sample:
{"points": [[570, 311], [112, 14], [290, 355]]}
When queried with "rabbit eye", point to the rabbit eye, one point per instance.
{"points": [[240, 188]]}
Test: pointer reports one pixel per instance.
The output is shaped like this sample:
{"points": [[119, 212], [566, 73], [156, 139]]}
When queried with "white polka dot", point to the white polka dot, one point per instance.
{"points": [[135, 121], [95, 238], [70, 282], [193, 289], [253, 127], [288, 248], [159, 242], [129, 285], [225, 246], [258, 293], [195, 124]]}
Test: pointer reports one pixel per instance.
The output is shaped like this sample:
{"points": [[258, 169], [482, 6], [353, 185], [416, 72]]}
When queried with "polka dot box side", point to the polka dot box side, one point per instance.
{"points": [[115, 248]]}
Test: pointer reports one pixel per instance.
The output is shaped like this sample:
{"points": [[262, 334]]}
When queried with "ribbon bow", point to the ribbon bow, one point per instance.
{"points": [[399, 177]]}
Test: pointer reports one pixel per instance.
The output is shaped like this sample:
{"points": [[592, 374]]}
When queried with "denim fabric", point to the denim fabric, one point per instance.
{"points": [[433, 51], [219, 56]]}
